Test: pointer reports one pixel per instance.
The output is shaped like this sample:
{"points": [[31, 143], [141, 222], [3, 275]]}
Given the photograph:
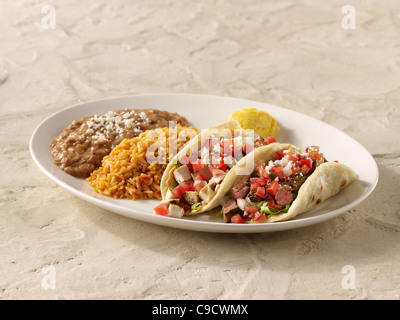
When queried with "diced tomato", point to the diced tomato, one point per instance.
{"points": [[305, 169], [312, 149], [255, 183], [260, 192], [216, 172], [198, 185], [177, 192], [259, 217], [248, 147], [317, 156], [254, 186], [237, 218], [273, 188], [251, 209], [293, 156], [222, 167], [260, 169], [161, 209], [277, 169], [219, 164], [306, 162], [197, 165], [191, 186], [261, 181], [185, 187], [200, 177], [227, 147], [295, 170], [280, 154], [269, 140]]}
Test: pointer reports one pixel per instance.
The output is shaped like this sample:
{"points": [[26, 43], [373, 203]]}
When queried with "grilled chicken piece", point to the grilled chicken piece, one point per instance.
{"points": [[191, 197], [208, 192], [182, 174], [175, 211]]}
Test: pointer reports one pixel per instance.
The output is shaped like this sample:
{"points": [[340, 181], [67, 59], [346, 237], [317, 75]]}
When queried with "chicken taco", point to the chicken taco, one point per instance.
{"points": [[203, 171]]}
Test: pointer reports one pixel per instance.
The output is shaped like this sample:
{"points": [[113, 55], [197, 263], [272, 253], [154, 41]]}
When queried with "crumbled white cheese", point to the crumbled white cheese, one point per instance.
{"points": [[238, 140], [287, 170], [217, 149], [128, 123], [230, 161], [99, 126], [143, 115]]}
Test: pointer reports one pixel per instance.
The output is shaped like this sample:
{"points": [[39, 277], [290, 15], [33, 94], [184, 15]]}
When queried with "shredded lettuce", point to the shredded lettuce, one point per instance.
{"points": [[176, 162], [265, 209], [196, 207], [174, 185]]}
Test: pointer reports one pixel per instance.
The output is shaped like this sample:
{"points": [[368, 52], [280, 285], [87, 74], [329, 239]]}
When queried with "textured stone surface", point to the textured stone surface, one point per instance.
{"points": [[289, 53]]}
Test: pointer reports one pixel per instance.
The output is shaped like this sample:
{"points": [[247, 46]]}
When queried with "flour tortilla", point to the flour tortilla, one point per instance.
{"points": [[242, 168], [328, 179]]}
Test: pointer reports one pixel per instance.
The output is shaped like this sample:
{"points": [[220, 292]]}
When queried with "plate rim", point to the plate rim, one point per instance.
{"points": [[197, 225]]}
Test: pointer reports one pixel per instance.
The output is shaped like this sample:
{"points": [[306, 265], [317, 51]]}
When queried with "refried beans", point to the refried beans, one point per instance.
{"points": [[80, 147]]}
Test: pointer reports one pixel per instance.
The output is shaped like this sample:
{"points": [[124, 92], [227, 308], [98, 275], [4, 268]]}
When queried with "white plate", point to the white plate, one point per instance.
{"points": [[204, 111]]}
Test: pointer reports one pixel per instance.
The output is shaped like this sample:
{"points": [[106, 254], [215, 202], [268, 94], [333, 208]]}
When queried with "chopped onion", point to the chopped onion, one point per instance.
{"points": [[242, 203]]}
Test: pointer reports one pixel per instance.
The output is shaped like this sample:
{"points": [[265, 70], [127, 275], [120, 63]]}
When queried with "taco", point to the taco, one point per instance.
{"points": [[203, 170], [286, 182]]}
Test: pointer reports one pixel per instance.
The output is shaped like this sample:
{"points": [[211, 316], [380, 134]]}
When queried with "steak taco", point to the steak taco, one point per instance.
{"points": [[286, 181]]}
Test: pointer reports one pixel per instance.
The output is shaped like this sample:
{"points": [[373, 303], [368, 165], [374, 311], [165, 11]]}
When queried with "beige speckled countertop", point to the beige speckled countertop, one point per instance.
{"points": [[295, 54]]}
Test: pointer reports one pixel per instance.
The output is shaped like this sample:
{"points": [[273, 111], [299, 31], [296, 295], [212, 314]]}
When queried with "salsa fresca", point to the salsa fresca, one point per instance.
{"points": [[272, 187], [197, 177]]}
